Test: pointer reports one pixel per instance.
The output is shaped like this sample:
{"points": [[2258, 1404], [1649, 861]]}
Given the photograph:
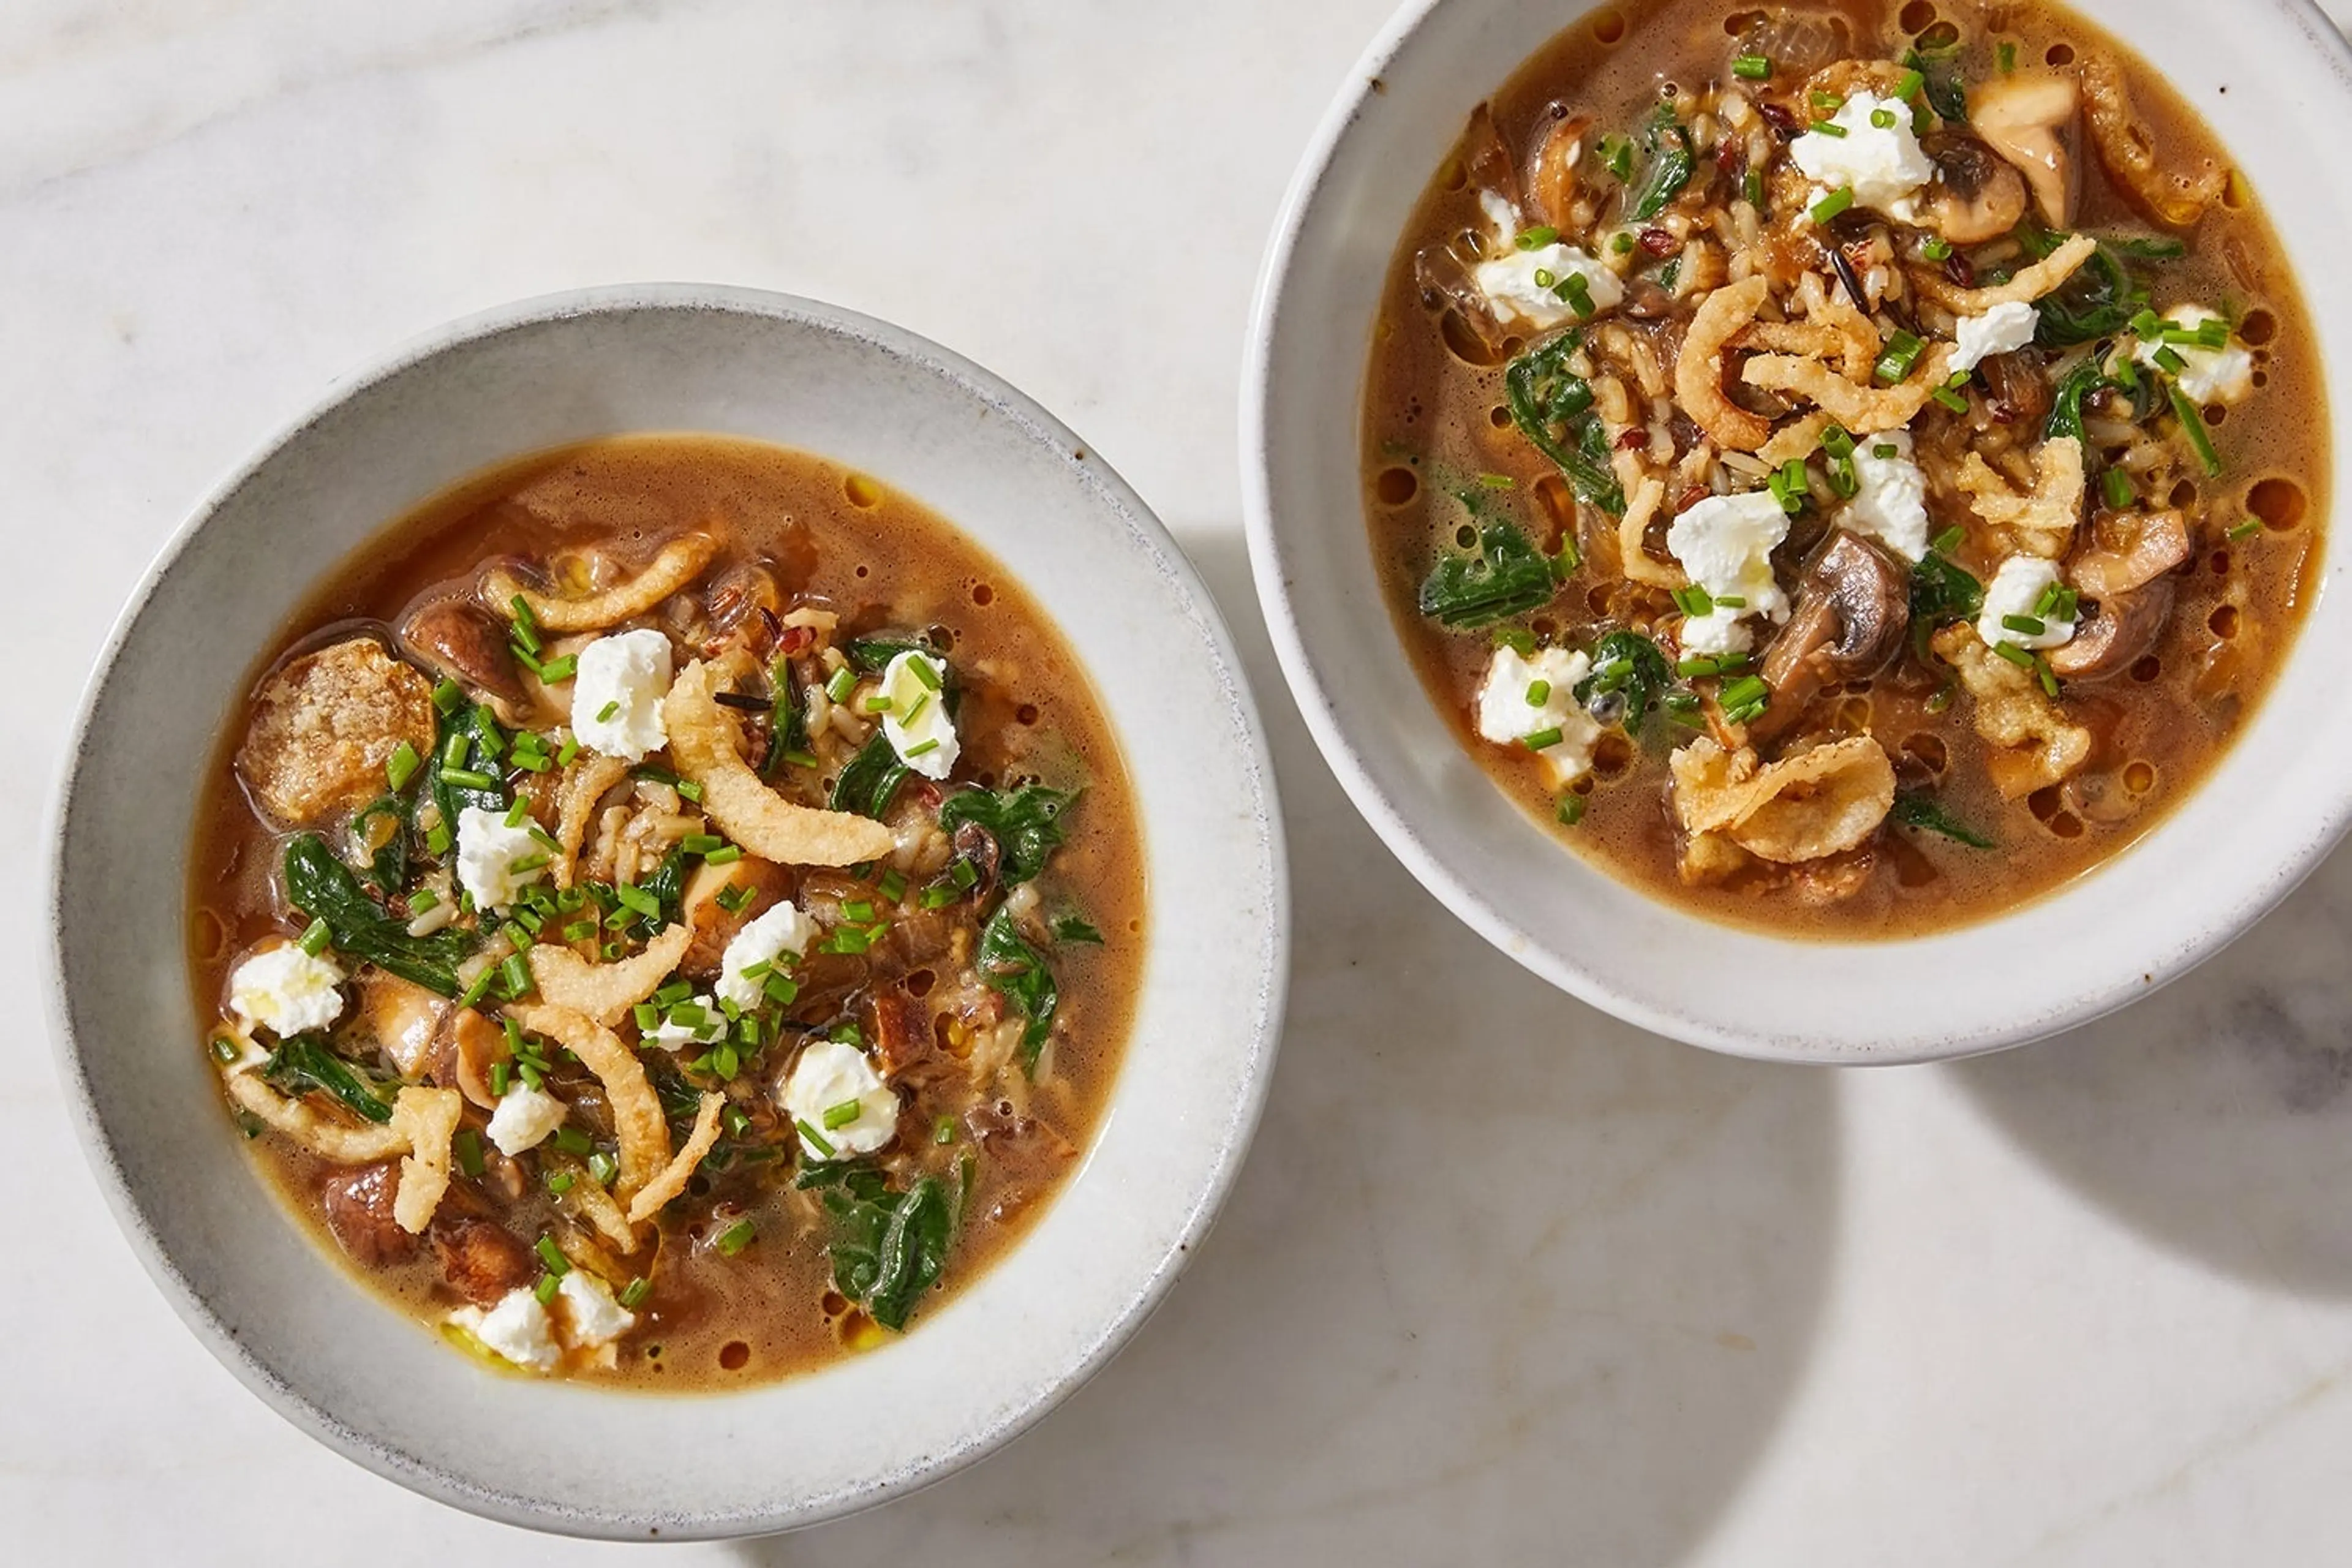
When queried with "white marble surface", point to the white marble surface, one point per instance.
{"points": [[2090, 1303]]}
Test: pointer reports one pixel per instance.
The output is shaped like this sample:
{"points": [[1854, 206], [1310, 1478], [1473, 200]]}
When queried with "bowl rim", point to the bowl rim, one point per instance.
{"points": [[988, 1435], [1270, 554]]}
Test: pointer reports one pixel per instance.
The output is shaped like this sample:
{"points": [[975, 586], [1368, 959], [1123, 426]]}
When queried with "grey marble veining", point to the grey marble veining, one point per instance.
{"points": [[1502, 1274]]}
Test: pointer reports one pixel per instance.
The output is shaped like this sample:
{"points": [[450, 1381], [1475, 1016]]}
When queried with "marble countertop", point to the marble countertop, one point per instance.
{"points": [[2087, 1304]]}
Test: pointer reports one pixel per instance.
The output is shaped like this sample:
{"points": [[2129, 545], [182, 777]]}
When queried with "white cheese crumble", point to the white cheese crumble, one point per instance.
{"points": [[917, 721], [828, 1077], [517, 1329], [616, 694], [1890, 503], [2005, 329], [286, 991], [1725, 544], [672, 1037], [525, 1119], [1507, 717], [782, 930], [1882, 164], [1515, 284], [488, 853], [2016, 590], [592, 1316], [2225, 374]]}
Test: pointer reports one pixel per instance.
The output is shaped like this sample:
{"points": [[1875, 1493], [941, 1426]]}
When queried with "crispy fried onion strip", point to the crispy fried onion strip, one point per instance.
{"points": [[582, 788], [1699, 370], [681, 560], [1861, 409], [2044, 276], [1833, 329], [1798, 439], [2176, 199], [337, 1140], [1644, 494], [638, 1124], [427, 1118], [2035, 747], [702, 744], [606, 992], [587, 1197], [2042, 521], [672, 1179], [1819, 803]]}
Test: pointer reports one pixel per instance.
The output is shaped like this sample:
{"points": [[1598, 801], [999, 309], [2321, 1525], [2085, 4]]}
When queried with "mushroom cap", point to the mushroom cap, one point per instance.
{"points": [[2117, 630], [1854, 606]]}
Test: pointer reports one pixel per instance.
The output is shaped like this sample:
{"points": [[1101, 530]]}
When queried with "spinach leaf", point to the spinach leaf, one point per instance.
{"points": [[871, 780], [1948, 90], [1508, 576], [1669, 162], [872, 656], [1543, 393], [913, 1253], [858, 1224], [667, 885], [2073, 390], [2150, 247], [1017, 972], [1026, 824], [2099, 302], [1942, 592], [304, 1063], [322, 887], [483, 740], [1921, 811], [1631, 664], [1076, 928]]}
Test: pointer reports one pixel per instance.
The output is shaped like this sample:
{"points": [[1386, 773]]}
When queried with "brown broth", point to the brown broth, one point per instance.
{"points": [[882, 560], [1432, 418]]}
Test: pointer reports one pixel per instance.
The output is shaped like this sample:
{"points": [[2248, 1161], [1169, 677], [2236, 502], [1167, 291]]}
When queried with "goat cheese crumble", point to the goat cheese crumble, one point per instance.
{"points": [[1725, 544], [2005, 329], [1507, 713], [525, 1118], [616, 694], [592, 1316], [286, 991], [2225, 374], [517, 1329], [2016, 590], [1882, 164], [1515, 284], [782, 930], [917, 721], [488, 853], [1890, 502], [828, 1078], [673, 1037]]}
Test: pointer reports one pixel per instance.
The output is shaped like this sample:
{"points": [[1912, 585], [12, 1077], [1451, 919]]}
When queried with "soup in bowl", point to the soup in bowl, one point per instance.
{"points": [[1840, 471]]}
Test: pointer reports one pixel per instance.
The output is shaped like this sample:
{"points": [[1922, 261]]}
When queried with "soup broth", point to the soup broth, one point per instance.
{"points": [[1894, 429], [672, 907]]}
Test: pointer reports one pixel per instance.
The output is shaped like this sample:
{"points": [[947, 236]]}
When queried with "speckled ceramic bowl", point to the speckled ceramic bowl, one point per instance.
{"points": [[2275, 80], [252, 1283]]}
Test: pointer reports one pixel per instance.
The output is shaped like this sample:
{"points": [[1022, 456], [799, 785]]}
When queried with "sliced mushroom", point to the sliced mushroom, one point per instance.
{"points": [[1551, 169], [1854, 605], [2031, 120], [471, 1044], [2020, 393], [1976, 196], [2112, 637], [2130, 551], [1468, 322], [459, 639]]}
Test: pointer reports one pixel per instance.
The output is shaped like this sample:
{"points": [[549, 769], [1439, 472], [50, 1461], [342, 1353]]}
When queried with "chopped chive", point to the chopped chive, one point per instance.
{"points": [[816, 1139], [479, 988], [893, 885], [2169, 361], [965, 875], [605, 714], [1902, 356], [501, 1075], [553, 1256], [648, 1017], [1753, 68], [633, 1295], [2245, 531], [466, 1148], [1938, 248], [922, 701], [925, 673], [1578, 293], [447, 695], [843, 683], [401, 766], [518, 812], [1883, 118], [879, 704], [1571, 810], [841, 1115], [701, 843], [546, 1289], [926, 749], [1833, 129], [423, 900], [1835, 203], [572, 1140], [314, 938], [2193, 423], [1950, 399], [938, 896], [689, 790], [454, 753], [1538, 693], [1909, 86], [571, 749], [1752, 186], [1622, 245], [559, 1182], [1536, 239], [735, 1237], [529, 863], [556, 670], [1543, 739], [2048, 675], [2118, 487], [1545, 277], [726, 854], [470, 778], [2014, 654], [2007, 55], [517, 975], [2029, 625]]}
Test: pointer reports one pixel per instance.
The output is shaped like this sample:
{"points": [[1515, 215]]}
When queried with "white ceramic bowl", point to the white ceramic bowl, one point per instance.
{"points": [[2276, 82], [263, 1296]]}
